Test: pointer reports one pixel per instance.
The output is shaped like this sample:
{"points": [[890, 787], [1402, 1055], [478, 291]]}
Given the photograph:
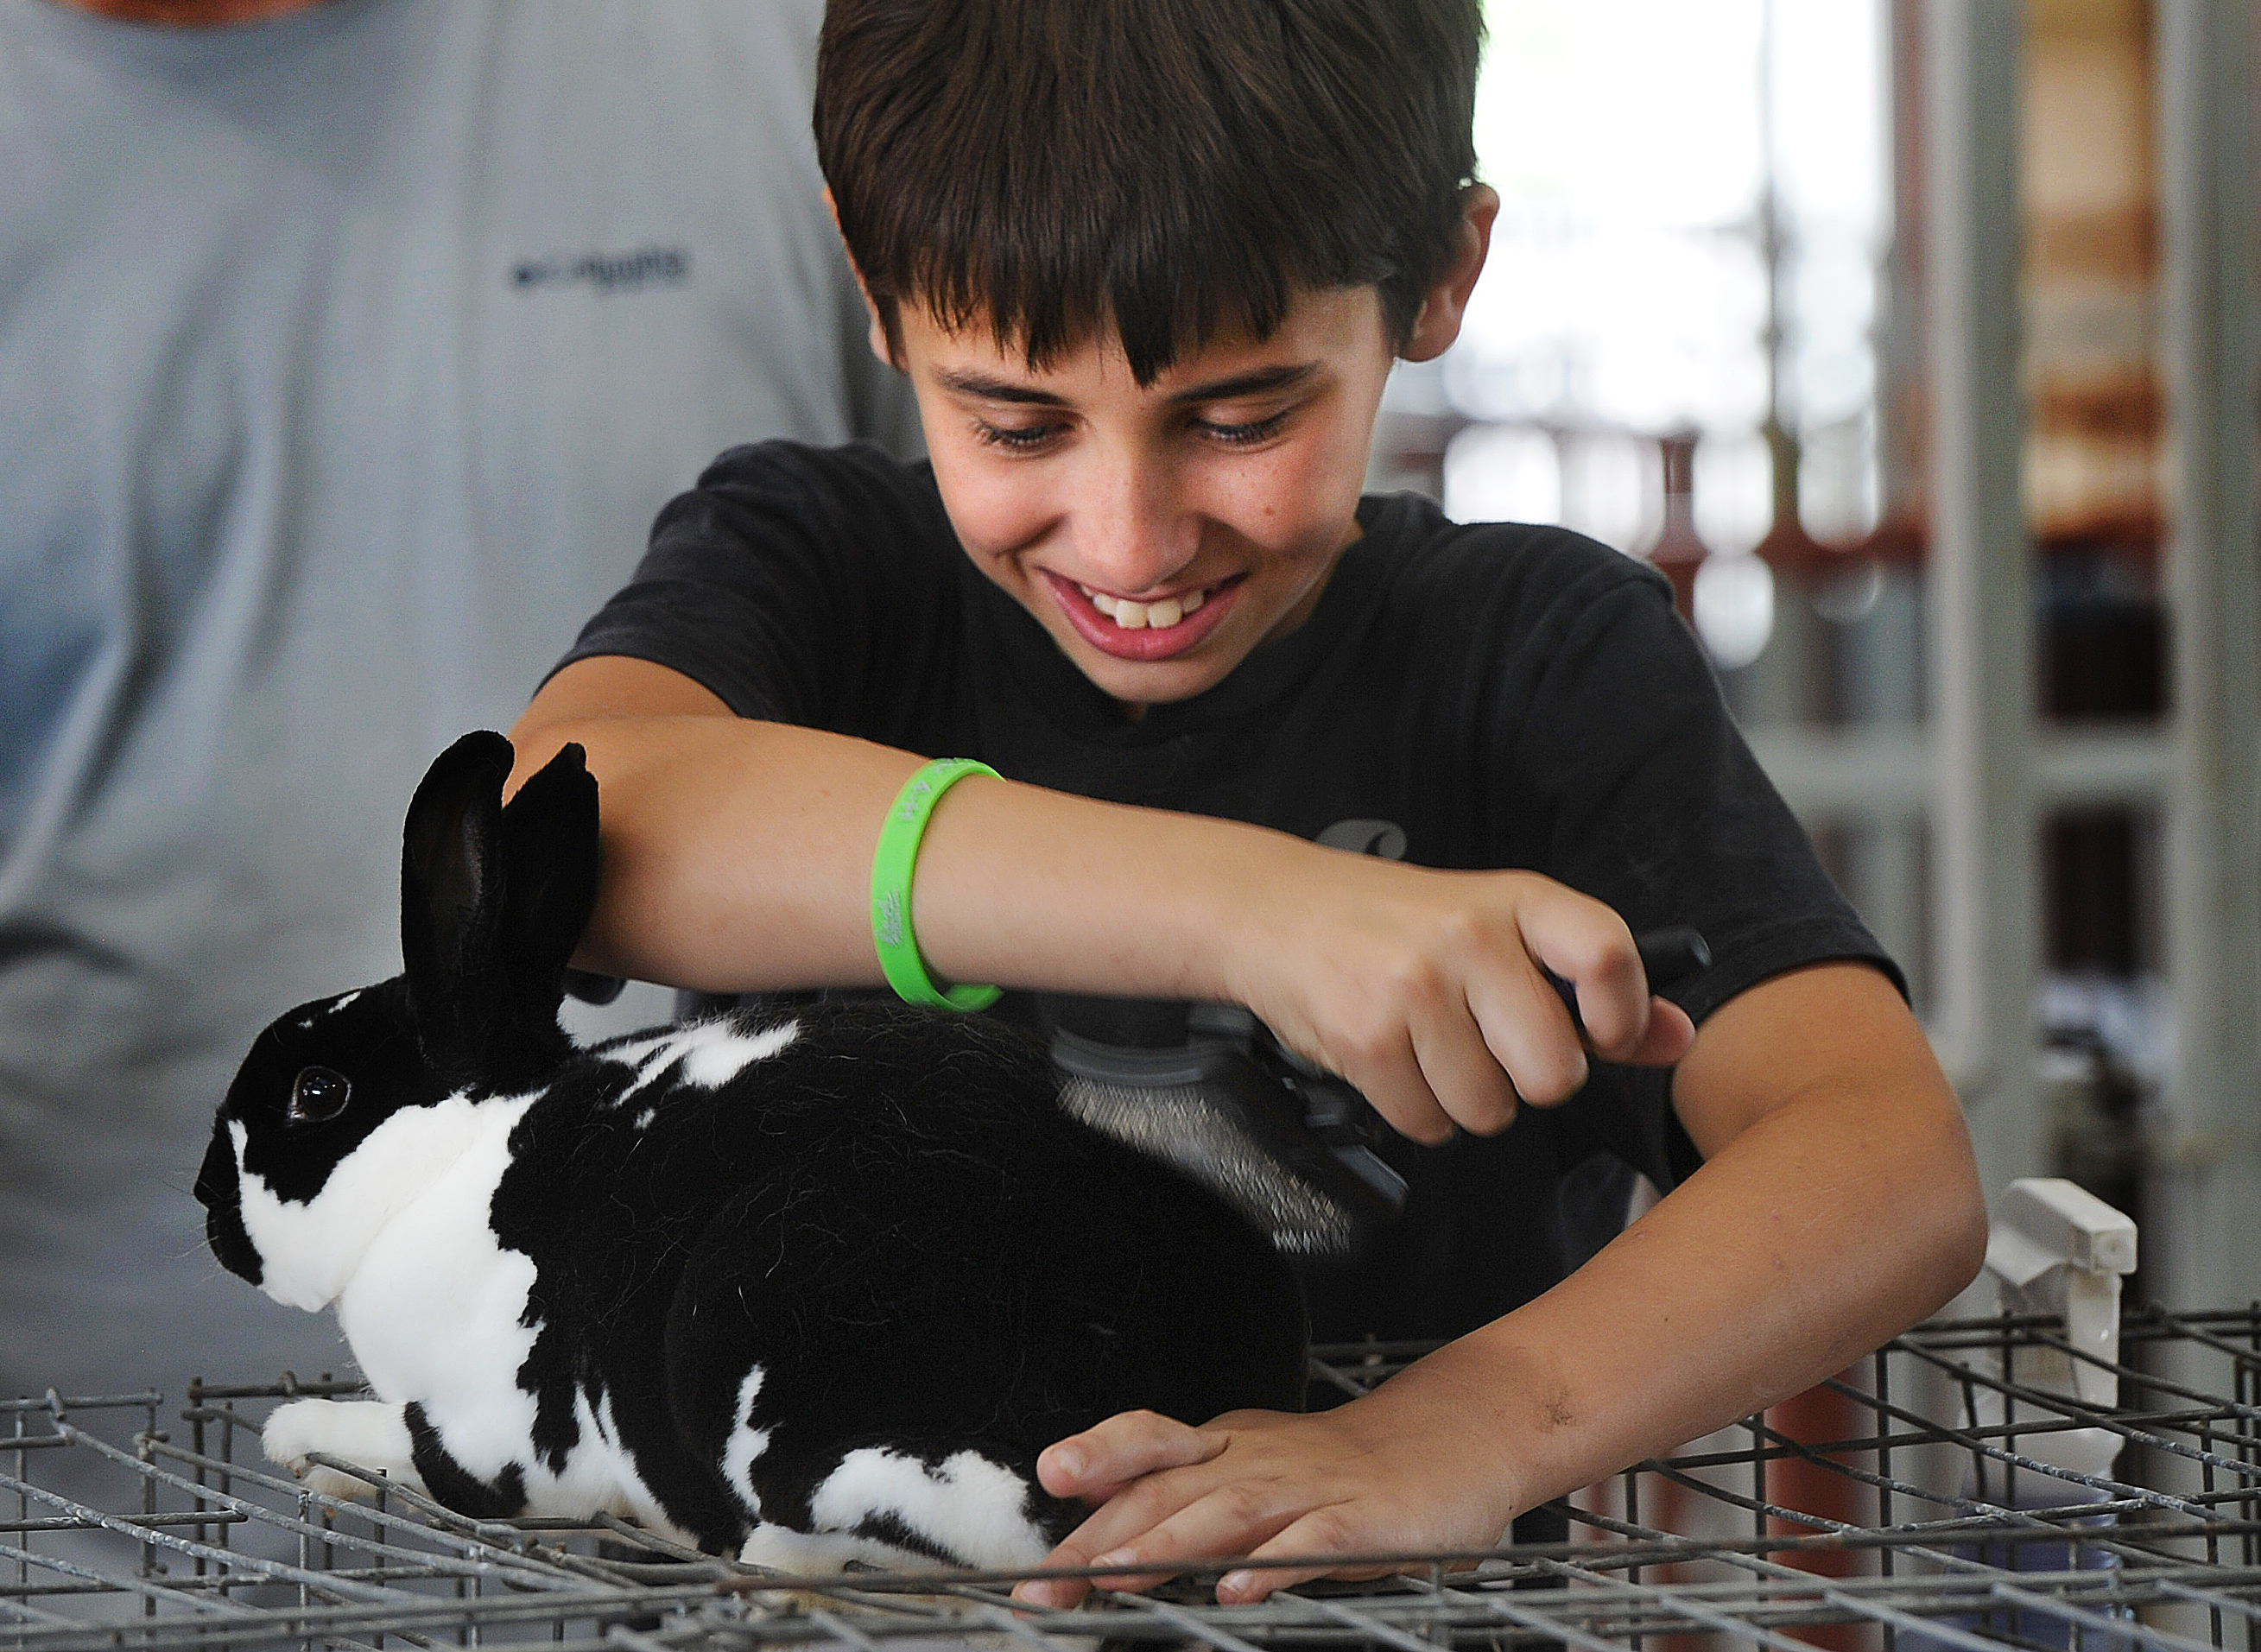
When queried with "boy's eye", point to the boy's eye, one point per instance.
{"points": [[1244, 434], [1015, 438]]}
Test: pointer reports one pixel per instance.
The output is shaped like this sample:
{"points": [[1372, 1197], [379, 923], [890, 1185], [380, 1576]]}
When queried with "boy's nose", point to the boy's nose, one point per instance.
{"points": [[1134, 534]]}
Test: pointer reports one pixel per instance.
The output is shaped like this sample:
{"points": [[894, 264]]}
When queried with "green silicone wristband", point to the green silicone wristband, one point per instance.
{"points": [[890, 888]]}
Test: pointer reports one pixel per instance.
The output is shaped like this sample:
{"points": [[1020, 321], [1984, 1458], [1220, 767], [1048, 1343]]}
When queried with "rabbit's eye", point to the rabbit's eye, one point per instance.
{"points": [[320, 1093]]}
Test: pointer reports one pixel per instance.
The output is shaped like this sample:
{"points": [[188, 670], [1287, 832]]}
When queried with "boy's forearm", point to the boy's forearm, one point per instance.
{"points": [[1826, 1228], [725, 856], [738, 855]]}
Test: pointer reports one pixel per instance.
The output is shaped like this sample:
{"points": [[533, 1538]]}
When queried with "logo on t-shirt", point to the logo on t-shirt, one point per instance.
{"points": [[607, 272], [1384, 837]]}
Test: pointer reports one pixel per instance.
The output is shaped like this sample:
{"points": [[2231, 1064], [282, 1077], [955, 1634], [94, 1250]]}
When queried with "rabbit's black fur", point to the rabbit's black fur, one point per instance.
{"points": [[806, 1286]]}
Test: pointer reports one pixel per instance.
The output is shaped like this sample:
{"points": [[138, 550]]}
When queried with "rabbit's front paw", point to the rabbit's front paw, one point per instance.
{"points": [[365, 1432]]}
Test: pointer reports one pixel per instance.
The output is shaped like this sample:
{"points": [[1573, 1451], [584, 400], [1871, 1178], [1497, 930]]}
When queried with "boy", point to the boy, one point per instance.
{"points": [[1147, 265]]}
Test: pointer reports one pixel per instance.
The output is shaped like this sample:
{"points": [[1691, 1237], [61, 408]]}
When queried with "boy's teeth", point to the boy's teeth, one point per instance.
{"points": [[1139, 616]]}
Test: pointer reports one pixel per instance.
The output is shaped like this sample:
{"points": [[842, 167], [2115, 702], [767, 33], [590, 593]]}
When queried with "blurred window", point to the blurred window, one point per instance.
{"points": [[1636, 145]]}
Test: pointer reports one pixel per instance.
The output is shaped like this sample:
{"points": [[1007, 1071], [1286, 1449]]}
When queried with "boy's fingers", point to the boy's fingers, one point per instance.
{"points": [[1111, 1453], [1112, 1461], [1410, 1106], [1460, 1068], [1669, 1035], [1596, 964], [1470, 1027], [1052, 1594], [1400, 1091], [1612, 1006], [1469, 1065], [1108, 1526], [1528, 1031], [1331, 1530], [1268, 1522], [1130, 1512], [1233, 1518]]}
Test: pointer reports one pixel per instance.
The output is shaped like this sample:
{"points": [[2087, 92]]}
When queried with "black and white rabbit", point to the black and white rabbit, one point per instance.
{"points": [[801, 1287]]}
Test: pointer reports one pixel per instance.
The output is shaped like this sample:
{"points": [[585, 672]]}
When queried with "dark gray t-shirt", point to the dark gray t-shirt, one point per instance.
{"points": [[347, 357], [1502, 696]]}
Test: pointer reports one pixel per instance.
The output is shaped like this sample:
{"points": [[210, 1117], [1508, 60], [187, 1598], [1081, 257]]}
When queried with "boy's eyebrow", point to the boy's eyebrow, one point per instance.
{"points": [[1261, 381], [990, 389]]}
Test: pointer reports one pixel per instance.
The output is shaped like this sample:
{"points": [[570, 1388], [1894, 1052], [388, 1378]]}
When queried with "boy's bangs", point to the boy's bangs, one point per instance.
{"points": [[1158, 294]]}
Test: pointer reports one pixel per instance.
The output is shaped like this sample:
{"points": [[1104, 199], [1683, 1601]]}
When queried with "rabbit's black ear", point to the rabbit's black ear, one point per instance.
{"points": [[492, 903], [451, 877], [549, 882]]}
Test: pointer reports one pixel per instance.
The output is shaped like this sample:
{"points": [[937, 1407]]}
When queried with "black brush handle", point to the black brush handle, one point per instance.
{"points": [[1668, 957]]}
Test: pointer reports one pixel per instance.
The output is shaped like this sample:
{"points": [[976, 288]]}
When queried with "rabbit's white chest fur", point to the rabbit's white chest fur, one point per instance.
{"points": [[433, 1307], [313, 1250]]}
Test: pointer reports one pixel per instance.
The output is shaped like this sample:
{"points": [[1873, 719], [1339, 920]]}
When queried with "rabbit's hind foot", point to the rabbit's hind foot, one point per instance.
{"points": [[368, 1432]]}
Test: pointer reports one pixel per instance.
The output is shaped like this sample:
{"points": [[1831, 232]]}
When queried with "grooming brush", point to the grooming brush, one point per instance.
{"points": [[1208, 1089]]}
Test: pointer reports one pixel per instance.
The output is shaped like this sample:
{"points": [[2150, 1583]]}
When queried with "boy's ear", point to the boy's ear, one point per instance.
{"points": [[1438, 322], [882, 341]]}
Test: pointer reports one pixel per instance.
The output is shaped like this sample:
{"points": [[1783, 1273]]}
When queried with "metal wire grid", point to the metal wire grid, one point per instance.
{"points": [[1910, 1508]]}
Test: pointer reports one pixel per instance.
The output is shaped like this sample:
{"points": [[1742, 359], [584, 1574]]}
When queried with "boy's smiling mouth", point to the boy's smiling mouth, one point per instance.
{"points": [[1159, 630], [1136, 616]]}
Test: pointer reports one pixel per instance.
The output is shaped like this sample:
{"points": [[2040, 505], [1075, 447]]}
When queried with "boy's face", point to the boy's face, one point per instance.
{"points": [[1160, 535]]}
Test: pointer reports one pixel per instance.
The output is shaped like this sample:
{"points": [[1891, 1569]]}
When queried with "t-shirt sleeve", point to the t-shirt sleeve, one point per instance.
{"points": [[1650, 800], [784, 579]]}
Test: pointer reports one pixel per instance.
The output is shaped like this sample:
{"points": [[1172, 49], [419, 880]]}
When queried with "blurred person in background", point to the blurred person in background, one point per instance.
{"points": [[349, 347]]}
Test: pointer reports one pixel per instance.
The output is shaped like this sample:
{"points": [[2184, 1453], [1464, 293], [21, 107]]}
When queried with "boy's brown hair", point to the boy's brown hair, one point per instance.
{"points": [[1161, 171]]}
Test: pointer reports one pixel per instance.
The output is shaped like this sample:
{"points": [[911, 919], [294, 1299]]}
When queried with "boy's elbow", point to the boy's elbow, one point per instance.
{"points": [[1966, 1243], [1954, 1217]]}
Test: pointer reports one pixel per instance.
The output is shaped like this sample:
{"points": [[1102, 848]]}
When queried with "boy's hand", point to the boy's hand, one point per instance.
{"points": [[1376, 1474], [1428, 989]]}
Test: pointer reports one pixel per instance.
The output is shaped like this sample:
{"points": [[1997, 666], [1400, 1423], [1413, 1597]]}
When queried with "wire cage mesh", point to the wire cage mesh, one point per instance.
{"points": [[1944, 1493]]}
